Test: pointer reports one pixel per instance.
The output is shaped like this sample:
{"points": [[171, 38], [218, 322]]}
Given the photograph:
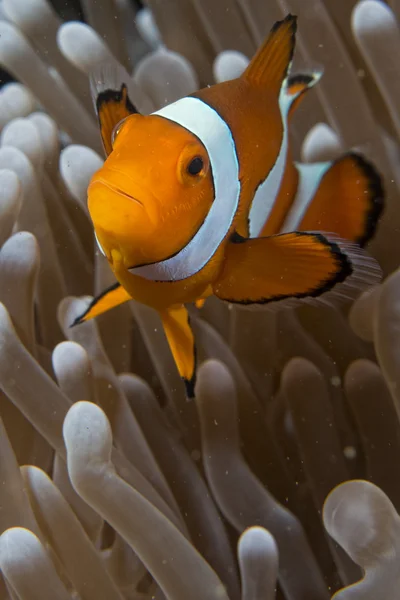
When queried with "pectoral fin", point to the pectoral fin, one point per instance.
{"points": [[109, 88], [292, 267], [181, 341], [110, 298]]}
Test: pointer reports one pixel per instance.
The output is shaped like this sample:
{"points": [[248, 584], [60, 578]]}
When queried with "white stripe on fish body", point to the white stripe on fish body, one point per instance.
{"points": [[268, 190], [310, 176], [204, 122], [266, 193], [98, 244]]}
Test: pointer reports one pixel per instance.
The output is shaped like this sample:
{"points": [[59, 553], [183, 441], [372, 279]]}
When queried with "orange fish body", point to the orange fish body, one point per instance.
{"points": [[203, 197], [177, 206]]}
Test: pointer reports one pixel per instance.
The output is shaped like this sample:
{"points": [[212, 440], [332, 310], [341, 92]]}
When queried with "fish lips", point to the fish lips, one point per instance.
{"points": [[121, 221], [114, 188]]}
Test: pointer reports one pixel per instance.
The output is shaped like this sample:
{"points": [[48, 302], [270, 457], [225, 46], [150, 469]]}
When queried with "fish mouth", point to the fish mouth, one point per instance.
{"points": [[118, 190]]}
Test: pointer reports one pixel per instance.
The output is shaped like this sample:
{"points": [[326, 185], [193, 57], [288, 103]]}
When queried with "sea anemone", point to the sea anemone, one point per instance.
{"points": [[281, 479]]}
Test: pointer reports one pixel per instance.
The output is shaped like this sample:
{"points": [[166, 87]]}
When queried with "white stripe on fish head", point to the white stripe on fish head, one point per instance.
{"points": [[205, 123], [98, 244]]}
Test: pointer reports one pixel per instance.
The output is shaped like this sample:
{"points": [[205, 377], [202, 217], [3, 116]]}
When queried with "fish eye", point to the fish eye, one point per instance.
{"points": [[195, 166], [116, 130], [192, 165]]}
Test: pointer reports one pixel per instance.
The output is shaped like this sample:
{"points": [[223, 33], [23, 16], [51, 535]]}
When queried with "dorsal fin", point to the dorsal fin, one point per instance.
{"points": [[109, 83], [296, 86], [299, 83], [270, 65]]}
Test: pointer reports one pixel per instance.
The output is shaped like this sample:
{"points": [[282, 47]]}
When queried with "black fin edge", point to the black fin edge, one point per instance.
{"points": [[189, 387], [293, 19], [305, 78], [236, 238], [345, 270], [80, 318], [190, 384], [110, 95], [376, 193], [289, 17]]}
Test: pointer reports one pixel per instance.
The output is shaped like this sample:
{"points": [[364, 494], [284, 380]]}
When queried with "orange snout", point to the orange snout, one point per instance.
{"points": [[120, 220], [144, 203]]}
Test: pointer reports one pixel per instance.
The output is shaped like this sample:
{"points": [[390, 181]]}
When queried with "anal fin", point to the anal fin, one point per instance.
{"points": [[180, 338]]}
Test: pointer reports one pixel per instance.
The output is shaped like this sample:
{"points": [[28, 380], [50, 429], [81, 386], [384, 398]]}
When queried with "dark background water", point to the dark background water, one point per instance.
{"points": [[68, 10], [71, 9]]}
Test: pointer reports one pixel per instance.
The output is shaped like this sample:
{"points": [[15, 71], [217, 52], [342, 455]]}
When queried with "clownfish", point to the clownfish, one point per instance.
{"points": [[203, 198]]}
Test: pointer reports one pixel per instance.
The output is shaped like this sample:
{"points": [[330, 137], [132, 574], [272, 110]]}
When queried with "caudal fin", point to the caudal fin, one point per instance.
{"points": [[348, 201]]}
